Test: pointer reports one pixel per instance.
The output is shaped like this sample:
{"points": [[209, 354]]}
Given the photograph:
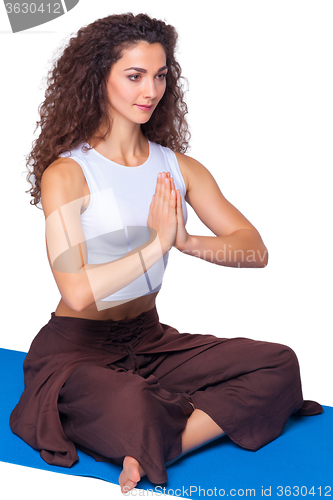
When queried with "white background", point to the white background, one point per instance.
{"points": [[260, 110]]}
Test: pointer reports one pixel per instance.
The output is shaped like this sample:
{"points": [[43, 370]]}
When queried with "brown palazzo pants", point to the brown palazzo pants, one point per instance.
{"points": [[117, 388]]}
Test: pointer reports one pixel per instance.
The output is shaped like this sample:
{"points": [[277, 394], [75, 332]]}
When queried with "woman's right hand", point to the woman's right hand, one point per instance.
{"points": [[162, 212]]}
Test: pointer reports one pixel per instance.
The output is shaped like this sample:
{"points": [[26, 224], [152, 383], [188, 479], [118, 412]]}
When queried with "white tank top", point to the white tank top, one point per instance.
{"points": [[115, 221]]}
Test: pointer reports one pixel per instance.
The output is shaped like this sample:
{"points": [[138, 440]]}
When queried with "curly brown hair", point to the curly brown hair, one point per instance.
{"points": [[76, 101]]}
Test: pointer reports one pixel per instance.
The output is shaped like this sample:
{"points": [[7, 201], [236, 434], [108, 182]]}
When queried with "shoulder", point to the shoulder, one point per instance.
{"points": [[62, 182], [192, 171]]}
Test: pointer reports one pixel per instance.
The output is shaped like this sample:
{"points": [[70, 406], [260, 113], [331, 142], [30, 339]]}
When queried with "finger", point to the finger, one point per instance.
{"points": [[158, 181], [169, 188], [177, 193], [160, 192], [179, 207], [166, 194], [172, 199], [179, 198]]}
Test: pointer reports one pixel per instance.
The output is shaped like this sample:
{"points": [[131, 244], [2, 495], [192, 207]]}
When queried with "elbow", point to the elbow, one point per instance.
{"points": [[261, 253], [256, 258], [77, 306], [256, 253], [263, 257], [76, 299], [74, 302]]}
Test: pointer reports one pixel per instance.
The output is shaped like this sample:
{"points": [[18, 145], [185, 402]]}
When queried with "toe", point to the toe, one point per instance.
{"points": [[128, 486], [133, 472]]}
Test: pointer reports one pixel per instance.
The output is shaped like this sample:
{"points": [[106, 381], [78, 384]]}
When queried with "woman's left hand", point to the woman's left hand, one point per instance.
{"points": [[182, 236]]}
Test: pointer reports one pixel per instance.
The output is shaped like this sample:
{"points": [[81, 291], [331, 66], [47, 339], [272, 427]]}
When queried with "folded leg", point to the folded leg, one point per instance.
{"points": [[249, 388], [115, 413]]}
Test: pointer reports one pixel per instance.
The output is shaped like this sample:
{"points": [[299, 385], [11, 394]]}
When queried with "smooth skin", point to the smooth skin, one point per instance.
{"points": [[139, 78]]}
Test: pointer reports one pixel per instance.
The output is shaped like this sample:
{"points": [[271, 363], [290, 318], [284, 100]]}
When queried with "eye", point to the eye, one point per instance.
{"points": [[134, 78], [162, 76]]}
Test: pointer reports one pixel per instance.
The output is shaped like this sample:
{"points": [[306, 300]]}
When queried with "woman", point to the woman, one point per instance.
{"points": [[104, 375]]}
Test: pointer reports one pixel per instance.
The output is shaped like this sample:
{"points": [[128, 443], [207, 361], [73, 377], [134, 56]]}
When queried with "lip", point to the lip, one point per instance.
{"points": [[143, 107]]}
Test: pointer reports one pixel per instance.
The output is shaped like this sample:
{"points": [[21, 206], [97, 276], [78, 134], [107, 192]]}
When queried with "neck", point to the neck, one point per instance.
{"points": [[125, 143]]}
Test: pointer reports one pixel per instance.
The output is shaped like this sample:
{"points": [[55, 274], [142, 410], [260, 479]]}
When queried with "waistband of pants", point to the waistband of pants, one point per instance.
{"points": [[106, 332]]}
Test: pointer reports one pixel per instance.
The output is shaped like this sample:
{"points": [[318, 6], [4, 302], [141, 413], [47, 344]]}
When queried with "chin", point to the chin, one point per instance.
{"points": [[145, 121], [142, 121]]}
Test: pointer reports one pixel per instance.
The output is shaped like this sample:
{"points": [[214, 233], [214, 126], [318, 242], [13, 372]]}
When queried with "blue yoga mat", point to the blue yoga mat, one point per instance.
{"points": [[298, 463]]}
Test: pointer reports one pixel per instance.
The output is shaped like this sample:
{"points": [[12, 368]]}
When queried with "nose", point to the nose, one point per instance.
{"points": [[149, 90]]}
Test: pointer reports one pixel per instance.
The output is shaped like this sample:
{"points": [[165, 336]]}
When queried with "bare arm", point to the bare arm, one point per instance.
{"points": [[237, 242], [80, 283]]}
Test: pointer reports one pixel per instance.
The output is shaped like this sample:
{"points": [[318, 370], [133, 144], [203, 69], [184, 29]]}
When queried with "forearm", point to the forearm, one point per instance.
{"points": [[107, 279], [93, 282], [243, 248]]}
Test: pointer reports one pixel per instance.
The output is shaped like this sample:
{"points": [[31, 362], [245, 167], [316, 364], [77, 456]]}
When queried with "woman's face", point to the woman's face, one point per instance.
{"points": [[137, 82]]}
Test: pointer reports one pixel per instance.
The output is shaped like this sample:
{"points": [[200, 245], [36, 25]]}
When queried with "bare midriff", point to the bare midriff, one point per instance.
{"points": [[115, 310]]}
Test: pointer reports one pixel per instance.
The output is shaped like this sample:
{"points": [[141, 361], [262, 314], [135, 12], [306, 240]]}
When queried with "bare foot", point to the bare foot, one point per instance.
{"points": [[130, 475]]}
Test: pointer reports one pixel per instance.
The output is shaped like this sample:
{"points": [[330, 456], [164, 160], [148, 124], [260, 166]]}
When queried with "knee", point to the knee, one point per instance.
{"points": [[135, 393], [86, 381], [107, 388], [285, 359]]}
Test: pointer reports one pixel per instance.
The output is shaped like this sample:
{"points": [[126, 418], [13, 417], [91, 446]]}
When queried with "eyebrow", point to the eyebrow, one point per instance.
{"points": [[141, 70]]}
